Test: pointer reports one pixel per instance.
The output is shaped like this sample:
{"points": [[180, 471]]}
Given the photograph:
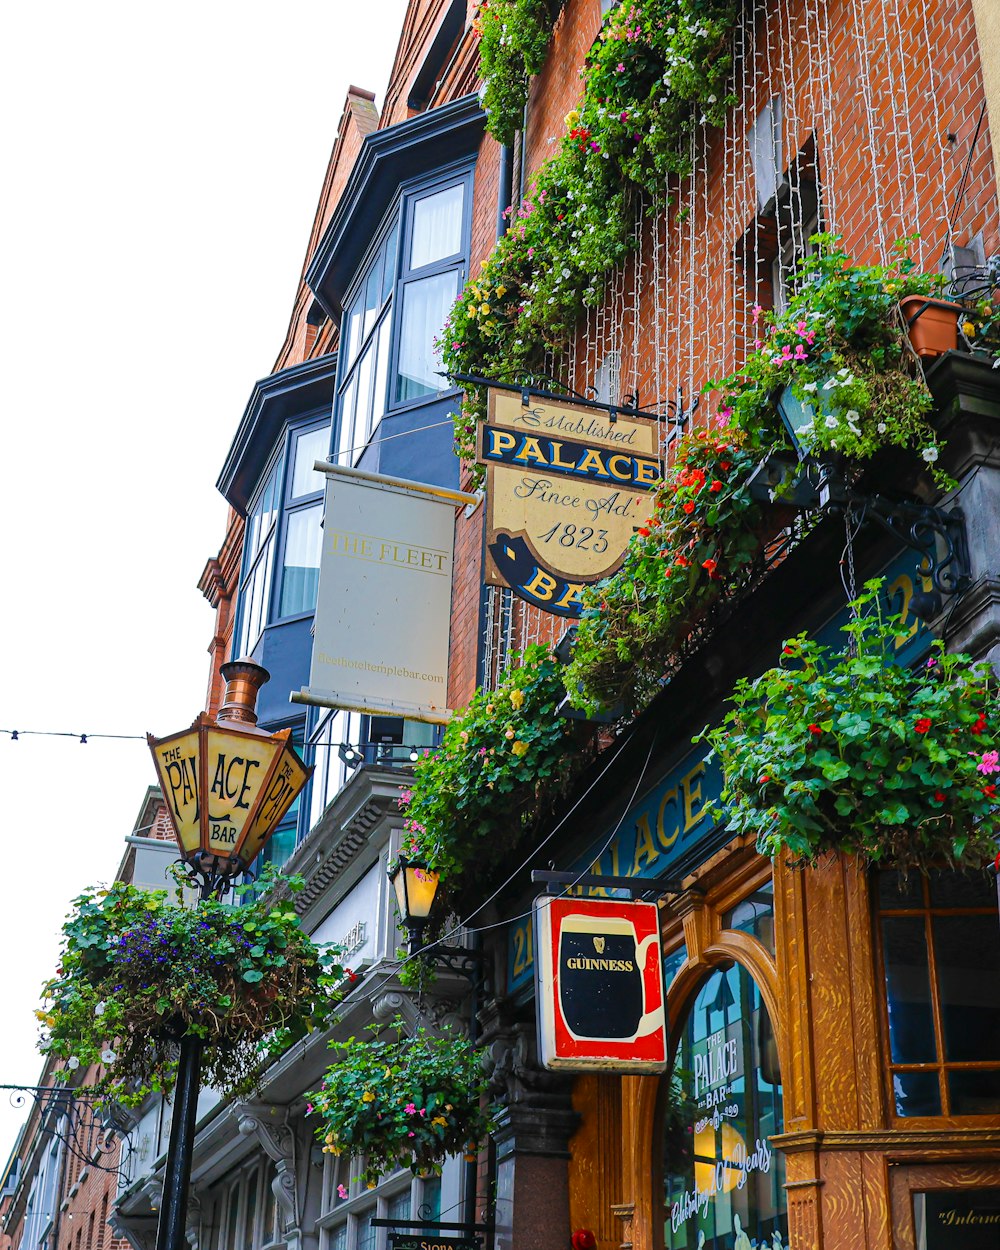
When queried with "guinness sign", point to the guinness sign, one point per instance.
{"points": [[599, 985], [566, 487]]}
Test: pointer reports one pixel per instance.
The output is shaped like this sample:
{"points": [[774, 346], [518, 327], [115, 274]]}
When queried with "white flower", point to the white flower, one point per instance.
{"points": [[853, 415], [930, 454], [565, 273], [72, 1063], [99, 1009], [831, 423], [829, 384], [711, 99], [881, 427], [809, 386], [108, 1056], [842, 373]]}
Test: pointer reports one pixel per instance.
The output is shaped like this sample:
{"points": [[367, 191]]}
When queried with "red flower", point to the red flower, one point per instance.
{"points": [[923, 724], [351, 975], [980, 724], [689, 506], [938, 796], [990, 791], [643, 530], [787, 650], [683, 561], [724, 465], [815, 729], [715, 487], [764, 780], [709, 565]]}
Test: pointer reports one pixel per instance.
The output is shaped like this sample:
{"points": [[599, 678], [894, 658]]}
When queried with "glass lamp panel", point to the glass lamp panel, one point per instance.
{"points": [[436, 230], [236, 768], [426, 305], [282, 791], [421, 887], [176, 761], [795, 415]]}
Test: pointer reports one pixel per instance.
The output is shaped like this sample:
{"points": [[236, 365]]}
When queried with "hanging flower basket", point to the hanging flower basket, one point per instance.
{"points": [[402, 1101], [852, 751], [137, 973], [932, 324]]}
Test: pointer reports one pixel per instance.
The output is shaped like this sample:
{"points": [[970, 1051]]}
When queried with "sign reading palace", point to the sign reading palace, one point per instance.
{"points": [[566, 486]]}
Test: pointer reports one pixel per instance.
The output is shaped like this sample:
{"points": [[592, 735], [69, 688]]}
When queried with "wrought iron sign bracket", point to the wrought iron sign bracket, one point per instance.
{"points": [[463, 961], [555, 881], [72, 1118], [529, 385]]}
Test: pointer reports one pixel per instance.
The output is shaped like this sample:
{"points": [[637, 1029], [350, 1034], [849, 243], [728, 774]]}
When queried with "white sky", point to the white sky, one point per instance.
{"points": [[160, 168]]}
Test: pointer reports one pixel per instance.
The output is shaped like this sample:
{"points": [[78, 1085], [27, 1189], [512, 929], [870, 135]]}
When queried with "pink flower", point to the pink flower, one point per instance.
{"points": [[342, 1192], [756, 311], [990, 763], [620, 68], [410, 1108], [411, 1134], [309, 1108], [801, 353]]}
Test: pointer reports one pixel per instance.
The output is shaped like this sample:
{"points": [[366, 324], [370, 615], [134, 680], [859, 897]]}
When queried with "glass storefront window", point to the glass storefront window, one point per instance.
{"points": [[723, 1183], [940, 948], [755, 915]]}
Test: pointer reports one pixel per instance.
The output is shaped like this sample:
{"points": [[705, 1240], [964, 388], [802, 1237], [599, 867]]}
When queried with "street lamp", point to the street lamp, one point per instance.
{"points": [[416, 887], [226, 785]]}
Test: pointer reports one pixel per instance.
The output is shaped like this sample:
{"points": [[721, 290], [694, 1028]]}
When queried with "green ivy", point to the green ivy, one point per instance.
{"points": [[402, 1101], [702, 533], [513, 40], [853, 751], [657, 72], [503, 763], [137, 972]]}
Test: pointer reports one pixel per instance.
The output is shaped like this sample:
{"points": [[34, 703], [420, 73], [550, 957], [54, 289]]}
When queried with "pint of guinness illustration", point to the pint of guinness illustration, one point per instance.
{"points": [[600, 977]]}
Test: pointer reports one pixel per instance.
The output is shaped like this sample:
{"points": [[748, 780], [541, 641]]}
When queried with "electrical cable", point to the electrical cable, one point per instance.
{"points": [[16, 734]]}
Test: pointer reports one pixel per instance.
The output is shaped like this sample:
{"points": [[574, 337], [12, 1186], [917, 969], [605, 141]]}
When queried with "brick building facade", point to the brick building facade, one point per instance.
{"points": [[876, 112]]}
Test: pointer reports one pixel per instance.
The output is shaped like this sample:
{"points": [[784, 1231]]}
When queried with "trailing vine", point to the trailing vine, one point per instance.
{"points": [[513, 40], [658, 70]]}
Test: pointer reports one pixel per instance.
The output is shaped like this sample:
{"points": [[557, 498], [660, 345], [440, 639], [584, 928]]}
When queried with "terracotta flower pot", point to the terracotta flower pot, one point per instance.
{"points": [[932, 324]]}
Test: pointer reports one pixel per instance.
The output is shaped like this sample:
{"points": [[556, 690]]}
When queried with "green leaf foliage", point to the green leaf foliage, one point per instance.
{"points": [[850, 750], [137, 972], [513, 40], [700, 538], [402, 1101]]}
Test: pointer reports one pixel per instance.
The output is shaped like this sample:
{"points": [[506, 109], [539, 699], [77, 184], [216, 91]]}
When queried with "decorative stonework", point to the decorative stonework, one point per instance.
{"points": [[269, 1125]]}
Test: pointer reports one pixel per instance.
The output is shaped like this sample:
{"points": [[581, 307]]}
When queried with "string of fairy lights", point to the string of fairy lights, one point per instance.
{"points": [[15, 735]]}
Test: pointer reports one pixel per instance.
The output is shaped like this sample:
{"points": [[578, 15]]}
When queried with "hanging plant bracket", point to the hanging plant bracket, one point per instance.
{"points": [[63, 1113], [529, 385]]}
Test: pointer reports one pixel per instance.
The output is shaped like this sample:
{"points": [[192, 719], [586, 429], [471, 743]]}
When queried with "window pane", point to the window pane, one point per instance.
{"points": [[917, 1093], [338, 1238], [899, 893], [436, 229], [362, 420], [311, 446], [430, 1199], [974, 1092], [755, 915], [367, 1235], [389, 268], [967, 955], [399, 1206], [353, 331], [426, 305], [300, 572], [345, 433], [373, 295], [963, 889], [381, 373], [908, 990], [250, 1238]]}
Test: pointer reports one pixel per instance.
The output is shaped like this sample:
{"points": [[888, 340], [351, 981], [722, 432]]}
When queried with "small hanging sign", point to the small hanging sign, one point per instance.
{"points": [[599, 985], [432, 1241], [566, 486]]}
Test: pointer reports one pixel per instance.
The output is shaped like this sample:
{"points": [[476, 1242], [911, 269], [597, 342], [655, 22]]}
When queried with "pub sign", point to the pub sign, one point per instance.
{"points": [[599, 985], [431, 1241], [566, 487]]}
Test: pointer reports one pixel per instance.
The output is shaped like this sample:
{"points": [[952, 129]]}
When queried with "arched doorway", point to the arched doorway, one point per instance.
{"points": [[723, 1183]]}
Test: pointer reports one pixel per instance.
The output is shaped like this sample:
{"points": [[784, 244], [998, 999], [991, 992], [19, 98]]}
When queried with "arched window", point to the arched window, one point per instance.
{"points": [[723, 1182]]}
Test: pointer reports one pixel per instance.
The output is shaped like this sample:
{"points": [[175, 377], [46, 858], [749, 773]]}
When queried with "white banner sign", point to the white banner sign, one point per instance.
{"points": [[384, 605]]}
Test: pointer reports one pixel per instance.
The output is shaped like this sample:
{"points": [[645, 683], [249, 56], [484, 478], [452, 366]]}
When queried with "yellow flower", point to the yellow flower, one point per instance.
{"points": [[508, 733], [439, 1119], [516, 697], [484, 309], [472, 312], [520, 748], [968, 329], [367, 1096], [572, 118], [501, 290], [489, 712], [371, 1185]]}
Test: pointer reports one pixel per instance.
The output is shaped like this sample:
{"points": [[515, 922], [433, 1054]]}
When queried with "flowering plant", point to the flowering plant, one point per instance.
{"points": [[841, 346], [702, 532], [402, 1101], [851, 750], [658, 70], [502, 762], [513, 40], [137, 972]]}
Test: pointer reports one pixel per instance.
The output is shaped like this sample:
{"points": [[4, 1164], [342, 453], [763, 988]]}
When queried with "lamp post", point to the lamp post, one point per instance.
{"points": [[226, 785], [416, 889]]}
